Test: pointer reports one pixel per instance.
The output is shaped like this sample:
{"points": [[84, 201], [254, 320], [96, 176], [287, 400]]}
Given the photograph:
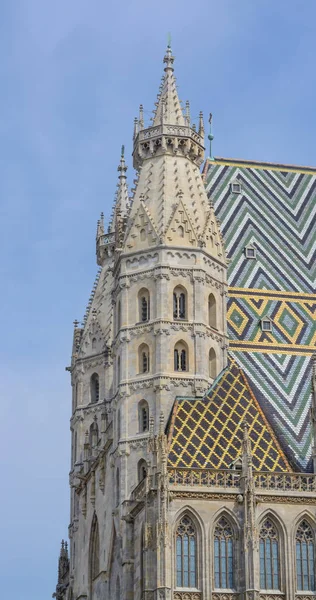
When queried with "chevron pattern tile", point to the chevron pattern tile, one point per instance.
{"points": [[275, 212]]}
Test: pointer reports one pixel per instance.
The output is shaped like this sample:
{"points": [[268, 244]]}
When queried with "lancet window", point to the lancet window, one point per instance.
{"points": [[212, 321], [269, 556], [181, 362], [144, 305], [143, 415], [305, 558], [186, 542], [223, 555], [94, 387], [94, 549], [143, 359], [179, 303]]}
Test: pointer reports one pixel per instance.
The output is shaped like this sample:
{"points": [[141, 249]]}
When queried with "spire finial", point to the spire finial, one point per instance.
{"points": [[201, 125], [122, 168], [210, 136], [168, 58], [141, 117]]}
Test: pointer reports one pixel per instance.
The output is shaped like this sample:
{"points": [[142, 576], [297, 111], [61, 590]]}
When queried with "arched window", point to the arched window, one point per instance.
{"points": [[212, 311], [181, 231], [94, 549], [181, 357], [143, 415], [142, 235], [179, 303], [94, 436], [94, 343], [186, 553], [142, 470], [143, 305], [143, 359], [94, 387], [212, 363], [305, 557], [223, 555], [269, 556]]}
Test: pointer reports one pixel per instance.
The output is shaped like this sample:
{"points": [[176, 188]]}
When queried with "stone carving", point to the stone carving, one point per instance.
{"points": [[189, 596]]}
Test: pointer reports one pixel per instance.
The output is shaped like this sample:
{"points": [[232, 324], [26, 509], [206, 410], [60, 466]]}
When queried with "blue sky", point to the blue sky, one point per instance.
{"points": [[72, 76]]}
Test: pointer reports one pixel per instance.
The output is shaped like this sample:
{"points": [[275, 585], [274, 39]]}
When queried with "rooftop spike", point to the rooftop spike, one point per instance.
{"points": [[187, 113], [141, 117], [201, 125], [210, 136]]}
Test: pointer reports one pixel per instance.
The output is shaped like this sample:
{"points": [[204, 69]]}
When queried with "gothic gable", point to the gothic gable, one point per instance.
{"points": [[212, 237], [180, 230], [92, 340], [141, 232]]}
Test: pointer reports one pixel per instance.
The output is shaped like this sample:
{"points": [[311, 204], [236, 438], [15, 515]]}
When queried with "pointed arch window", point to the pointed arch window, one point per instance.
{"points": [[181, 357], [269, 556], [94, 388], [223, 555], [143, 415], [186, 543], [143, 359], [212, 363], [142, 470], [305, 557], [143, 305], [94, 549], [212, 320], [179, 303]]}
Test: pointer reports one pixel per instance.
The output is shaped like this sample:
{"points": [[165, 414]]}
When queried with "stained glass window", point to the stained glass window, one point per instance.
{"points": [[223, 555], [269, 556], [305, 558], [186, 553]]}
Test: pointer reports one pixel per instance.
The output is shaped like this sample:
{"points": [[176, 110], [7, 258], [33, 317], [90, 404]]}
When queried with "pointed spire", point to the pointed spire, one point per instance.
{"points": [[122, 201], [187, 113], [100, 226], [201, 125], [168, 103], [141, 117]]}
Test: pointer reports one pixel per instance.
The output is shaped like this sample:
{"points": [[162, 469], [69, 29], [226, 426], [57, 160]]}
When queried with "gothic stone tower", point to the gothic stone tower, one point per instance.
{"points": [[155, 329], [180, 487]]}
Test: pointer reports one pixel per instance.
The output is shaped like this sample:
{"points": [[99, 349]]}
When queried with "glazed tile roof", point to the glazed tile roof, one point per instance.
{"points": [[275, 213], [208, 432]]}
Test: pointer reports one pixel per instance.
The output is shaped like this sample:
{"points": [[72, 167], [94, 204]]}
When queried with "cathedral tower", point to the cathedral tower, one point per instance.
{"points": [[155, 326], [183, 486]]}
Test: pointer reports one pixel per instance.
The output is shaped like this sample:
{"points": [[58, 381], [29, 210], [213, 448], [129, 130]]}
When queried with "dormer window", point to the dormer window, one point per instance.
{"points": [[235, 187], [250, 251], [236, 465], [266, 324]]}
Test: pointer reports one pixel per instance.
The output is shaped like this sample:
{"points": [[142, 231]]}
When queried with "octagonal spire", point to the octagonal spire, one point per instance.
{"points": [[168, 109]]}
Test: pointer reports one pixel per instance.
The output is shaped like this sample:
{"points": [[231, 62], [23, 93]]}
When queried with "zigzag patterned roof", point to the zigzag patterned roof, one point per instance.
{"points": [[275, 213], [208, 433]]}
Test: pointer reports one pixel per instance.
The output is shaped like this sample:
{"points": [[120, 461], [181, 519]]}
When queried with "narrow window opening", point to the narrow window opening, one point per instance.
{"points": [[223, 555], [186, 554], [269, 556]]}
